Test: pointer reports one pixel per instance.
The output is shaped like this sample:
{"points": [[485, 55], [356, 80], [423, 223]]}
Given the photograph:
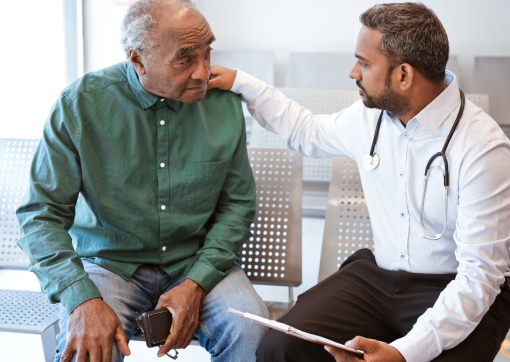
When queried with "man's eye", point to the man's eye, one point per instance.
{"points": [[361, 63], [186, 61]]}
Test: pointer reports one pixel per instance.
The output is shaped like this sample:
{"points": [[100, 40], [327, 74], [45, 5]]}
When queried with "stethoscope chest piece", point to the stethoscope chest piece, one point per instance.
{"points": [[370, 162]]}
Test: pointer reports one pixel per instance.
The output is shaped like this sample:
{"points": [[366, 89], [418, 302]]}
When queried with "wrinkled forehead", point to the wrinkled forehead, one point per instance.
{"points": [[183, 26]]}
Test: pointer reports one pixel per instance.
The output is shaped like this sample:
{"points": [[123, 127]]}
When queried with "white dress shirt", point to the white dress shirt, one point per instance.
{"points": [[476, 242]]}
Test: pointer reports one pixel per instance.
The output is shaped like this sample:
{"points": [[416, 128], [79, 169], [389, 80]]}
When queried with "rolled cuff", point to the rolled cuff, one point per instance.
{"points": [[78, 293], [206, 276], [247, 86], [419, 345]]}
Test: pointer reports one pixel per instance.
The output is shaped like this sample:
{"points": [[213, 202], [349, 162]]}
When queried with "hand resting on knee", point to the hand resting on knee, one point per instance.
{"points": [[91, 330]]}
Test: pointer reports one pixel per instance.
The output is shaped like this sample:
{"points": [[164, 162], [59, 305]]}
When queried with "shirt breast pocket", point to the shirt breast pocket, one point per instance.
{"points": [[205, 181]]}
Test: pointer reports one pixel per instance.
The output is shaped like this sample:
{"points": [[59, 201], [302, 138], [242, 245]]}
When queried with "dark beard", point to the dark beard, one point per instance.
{"points": [[386, 100]]}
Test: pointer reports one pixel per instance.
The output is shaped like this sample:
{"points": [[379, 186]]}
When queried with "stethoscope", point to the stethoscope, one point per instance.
{"points": [[371, 160]]}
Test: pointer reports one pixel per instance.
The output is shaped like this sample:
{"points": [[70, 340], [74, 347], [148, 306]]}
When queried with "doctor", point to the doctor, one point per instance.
{"points": [[427, 293]]}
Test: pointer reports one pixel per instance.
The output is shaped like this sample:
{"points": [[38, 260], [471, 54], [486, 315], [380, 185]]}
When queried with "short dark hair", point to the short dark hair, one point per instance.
{"points": [[413, 34]]}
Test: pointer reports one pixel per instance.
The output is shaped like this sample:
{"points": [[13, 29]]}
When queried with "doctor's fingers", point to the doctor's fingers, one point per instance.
{"points": [[341, 355]]}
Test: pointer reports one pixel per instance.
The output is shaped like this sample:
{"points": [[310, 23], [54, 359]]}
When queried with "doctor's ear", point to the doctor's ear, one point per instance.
{"points": [[406, 74]]}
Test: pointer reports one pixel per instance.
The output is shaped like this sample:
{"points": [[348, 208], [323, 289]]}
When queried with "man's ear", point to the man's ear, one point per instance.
{"points": [[406, 75], [136, 60]]}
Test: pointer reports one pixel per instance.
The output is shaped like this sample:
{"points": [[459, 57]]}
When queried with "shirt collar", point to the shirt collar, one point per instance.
{"points": [[145, 98], [436, 112]]}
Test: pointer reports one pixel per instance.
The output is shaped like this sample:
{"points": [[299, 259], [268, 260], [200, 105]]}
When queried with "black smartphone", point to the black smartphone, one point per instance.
{"points": [[156, 326]]}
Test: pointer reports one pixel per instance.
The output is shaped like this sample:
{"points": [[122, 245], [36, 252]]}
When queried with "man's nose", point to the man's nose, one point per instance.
{"points": [[202, 71], [355, 72]]}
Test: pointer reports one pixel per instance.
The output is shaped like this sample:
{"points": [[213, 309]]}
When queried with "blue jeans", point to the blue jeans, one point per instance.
{"points": [[226, 337]]}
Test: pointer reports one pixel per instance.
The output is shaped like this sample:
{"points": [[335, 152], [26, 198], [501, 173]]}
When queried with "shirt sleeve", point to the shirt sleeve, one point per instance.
{"points": [[48, 209], [230, 221], [317, 136], [482, 237]]}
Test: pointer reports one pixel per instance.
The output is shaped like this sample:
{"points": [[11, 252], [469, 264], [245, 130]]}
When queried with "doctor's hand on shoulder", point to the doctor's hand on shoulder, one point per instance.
{"points": [[221, 78], [375, 351]]}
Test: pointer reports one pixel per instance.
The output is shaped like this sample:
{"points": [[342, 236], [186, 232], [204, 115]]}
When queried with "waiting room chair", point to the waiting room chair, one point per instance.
{"points": [[453, 66], [348, 227], [20, 311], [331, 70], [260, 64], [492, 77], [320, 71]]}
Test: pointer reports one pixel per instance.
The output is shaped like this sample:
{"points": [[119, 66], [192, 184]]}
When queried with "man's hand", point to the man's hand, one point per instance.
{"points": [[184, 303], [221, 78], [375, 351], [91, 329]]}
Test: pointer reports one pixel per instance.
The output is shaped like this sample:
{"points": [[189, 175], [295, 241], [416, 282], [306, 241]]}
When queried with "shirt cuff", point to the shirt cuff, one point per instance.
{"points": [[247, 86], [419, 345], [77, 293], [205, 276]]}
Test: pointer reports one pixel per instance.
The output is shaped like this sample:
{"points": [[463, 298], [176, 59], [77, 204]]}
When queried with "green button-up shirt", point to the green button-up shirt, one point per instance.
{"points": [[123, 178]]}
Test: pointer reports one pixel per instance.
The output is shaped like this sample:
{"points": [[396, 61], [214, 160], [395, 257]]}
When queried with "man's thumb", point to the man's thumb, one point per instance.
{"points": [[357, 343], [213, 83], [120, 339]]}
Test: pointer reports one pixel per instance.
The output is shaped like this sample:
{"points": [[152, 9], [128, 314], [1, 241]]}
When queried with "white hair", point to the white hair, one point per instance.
{"points": [[140, 20]]}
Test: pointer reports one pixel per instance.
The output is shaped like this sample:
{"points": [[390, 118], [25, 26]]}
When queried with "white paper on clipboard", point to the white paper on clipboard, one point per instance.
{"points": [[293, 331]]}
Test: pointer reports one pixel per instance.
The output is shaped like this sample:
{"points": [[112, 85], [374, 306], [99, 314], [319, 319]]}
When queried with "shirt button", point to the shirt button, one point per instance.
{"points": [[162, 99], [401, 174], [405, 135], [401, 214], [163, 207], [162, 164], [163, 248], [162, 123], [401, 255]]}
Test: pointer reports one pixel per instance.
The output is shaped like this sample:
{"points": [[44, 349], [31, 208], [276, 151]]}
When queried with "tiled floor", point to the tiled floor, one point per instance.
{"points": [[28, 348]]}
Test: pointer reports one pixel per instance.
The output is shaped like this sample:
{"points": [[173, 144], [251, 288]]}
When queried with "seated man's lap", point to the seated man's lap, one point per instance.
{"points": [[339, 308], [357, 300], [219, 332]]}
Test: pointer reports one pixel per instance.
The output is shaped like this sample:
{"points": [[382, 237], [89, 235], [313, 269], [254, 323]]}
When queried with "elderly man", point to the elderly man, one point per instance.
{"points": [[141, 195]]}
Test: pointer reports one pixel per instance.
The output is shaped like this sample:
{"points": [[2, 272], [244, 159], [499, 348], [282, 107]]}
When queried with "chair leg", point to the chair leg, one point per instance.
{"points": [[49, 341]]}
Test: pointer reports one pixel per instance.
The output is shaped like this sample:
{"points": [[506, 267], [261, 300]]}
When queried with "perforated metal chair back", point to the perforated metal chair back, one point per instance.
{"points": [[260, 64], [492, 77], [453, 66], [480, 100], [318, 101], [348, 226], [15, 158], [272, 255], [320, 71]]}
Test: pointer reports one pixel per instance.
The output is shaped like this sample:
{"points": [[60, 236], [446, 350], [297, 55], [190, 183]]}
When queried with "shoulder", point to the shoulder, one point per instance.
{"points": [[221, 107], [479, 130], [95, 82], [219, 99]]}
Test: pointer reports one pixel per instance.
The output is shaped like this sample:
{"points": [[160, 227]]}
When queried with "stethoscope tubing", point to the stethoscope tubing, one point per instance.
{"points": [[442, 153]]}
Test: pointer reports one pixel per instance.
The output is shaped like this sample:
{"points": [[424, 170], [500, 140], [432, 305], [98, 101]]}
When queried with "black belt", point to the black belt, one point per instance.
{"points": [[506, 283]]}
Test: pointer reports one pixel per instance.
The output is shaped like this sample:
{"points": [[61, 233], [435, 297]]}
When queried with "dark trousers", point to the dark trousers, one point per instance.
{"points": [[363, 299]]}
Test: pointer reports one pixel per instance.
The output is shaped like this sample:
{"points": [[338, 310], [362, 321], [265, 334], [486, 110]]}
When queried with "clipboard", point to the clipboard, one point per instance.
{"points": [[284, 328]]}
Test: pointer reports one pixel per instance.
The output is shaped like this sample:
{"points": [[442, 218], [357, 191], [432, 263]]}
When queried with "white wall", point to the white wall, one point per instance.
{"points": [[474, 27]]}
